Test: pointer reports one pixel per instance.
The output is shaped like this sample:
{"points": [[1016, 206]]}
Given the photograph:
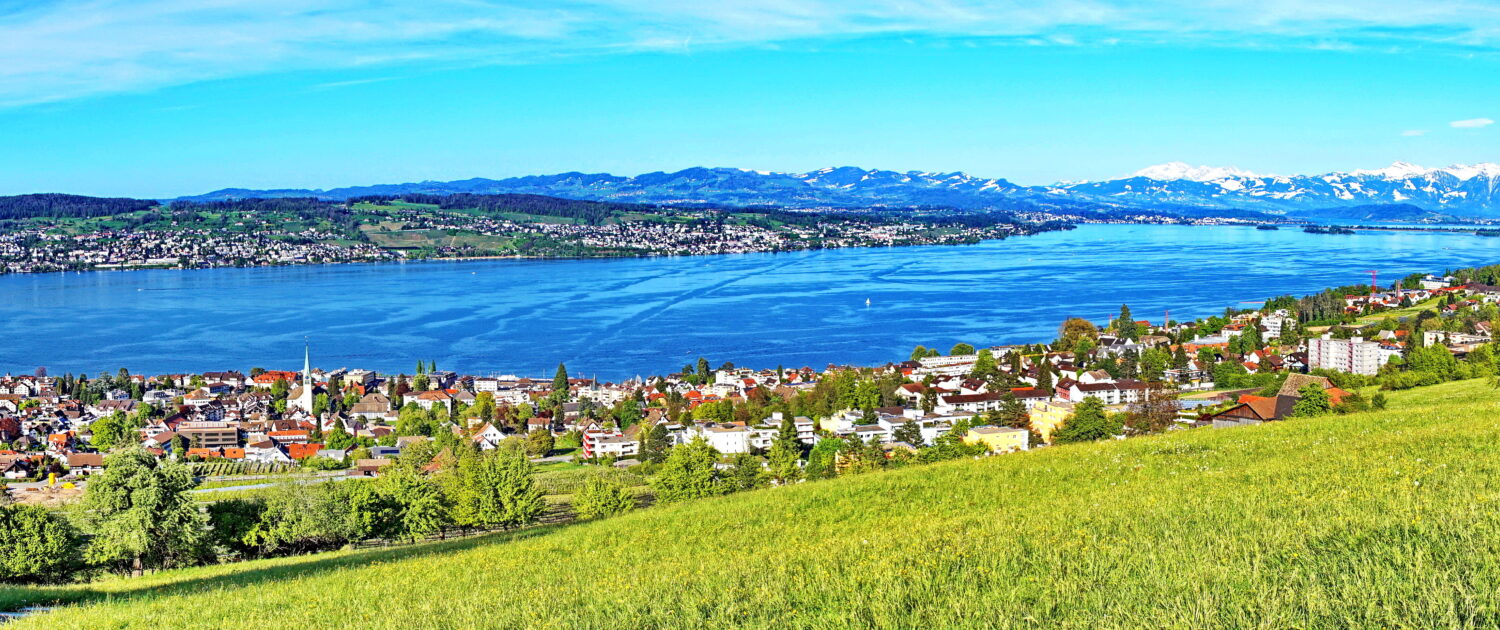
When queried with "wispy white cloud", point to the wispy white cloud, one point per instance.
{"points": [[62, 49], [1411, 133], [351, 83], [1472, 123]]}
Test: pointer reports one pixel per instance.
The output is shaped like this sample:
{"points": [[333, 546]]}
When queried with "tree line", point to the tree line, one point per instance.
{"points": [[68, 206], [589, 212], [138, 514]]}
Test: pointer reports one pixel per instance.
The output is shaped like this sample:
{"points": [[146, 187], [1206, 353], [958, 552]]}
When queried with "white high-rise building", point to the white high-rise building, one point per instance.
{"points": [[1355, 355], [1275, 325]]}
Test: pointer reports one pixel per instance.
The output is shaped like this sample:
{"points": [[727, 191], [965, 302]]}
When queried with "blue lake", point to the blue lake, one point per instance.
{"points": [[619, 318]]}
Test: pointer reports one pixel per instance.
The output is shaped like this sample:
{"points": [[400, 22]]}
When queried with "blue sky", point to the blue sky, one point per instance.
{"points": [[162, 98]]}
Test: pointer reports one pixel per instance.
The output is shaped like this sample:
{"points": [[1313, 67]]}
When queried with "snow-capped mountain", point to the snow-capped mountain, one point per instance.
{"points": [[1468, 190], [1183, 170], [1176, 187]]}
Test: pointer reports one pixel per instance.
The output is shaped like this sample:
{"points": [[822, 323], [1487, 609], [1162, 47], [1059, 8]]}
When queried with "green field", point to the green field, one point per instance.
{"points": [[424, 239], [1430, 304], [1384, 519]]}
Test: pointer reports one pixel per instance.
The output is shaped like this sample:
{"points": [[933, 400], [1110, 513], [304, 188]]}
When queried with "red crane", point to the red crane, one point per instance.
{"points": [[1374, 286]]}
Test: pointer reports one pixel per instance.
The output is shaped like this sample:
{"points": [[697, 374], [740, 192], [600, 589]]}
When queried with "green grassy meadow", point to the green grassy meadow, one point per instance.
{"points": [[1378, 520]]}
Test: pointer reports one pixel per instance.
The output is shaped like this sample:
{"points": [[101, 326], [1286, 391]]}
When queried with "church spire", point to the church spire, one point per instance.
{"points": [[305, 394]]}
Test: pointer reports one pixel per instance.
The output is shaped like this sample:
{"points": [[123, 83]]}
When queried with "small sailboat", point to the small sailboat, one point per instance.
{"points": [[867, 301]]}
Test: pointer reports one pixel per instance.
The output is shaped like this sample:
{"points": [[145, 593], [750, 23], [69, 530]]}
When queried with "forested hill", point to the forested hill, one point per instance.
{"points": [[61, 206], [68, 206], [342, 211], [589, 212]]}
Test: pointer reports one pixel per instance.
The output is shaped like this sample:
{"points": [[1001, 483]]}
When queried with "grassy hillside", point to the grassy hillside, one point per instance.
{"points": [[1385, 519]]}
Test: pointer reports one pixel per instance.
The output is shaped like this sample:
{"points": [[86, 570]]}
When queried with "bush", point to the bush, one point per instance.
{"points": [[323, 463], [573, 481], [230, 520], [602, 497], [36, 546]]}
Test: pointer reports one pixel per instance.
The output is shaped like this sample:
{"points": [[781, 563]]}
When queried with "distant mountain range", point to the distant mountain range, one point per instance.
{"points": [[1462, 190], [1399, 192]]}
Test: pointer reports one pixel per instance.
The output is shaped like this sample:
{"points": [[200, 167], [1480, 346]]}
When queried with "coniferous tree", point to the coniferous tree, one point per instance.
{"points": [[909, 432], [1012, 412], [656, 443], [786, 452], [1125, 326], [1180, 358], [560, 382]]}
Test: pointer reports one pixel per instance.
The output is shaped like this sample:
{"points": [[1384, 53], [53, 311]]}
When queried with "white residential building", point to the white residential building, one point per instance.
{"points": [[1431, 282], [1355, 356], [1276, 324], [948, 365], [1433, 337], [617, 446], [806, 428], [726, 438]]}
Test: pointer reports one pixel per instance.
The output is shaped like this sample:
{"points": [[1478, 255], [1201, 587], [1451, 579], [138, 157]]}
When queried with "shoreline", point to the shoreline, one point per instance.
{"points": [[829, 324], [525, 257]]}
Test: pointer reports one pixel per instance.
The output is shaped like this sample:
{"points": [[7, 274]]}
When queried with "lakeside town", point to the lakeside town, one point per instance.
{"points": [[230, 465], [49, 237], [1140, 376]]}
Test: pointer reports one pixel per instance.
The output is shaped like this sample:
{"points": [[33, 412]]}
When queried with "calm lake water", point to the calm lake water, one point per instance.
{"points": [[619, 318]]}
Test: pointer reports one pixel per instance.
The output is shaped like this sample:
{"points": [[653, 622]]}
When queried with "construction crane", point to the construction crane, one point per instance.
{"points": [[1374, 286]]}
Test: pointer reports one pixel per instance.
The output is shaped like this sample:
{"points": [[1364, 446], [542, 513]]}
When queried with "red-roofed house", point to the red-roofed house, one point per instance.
{"points": [[300, 452]]}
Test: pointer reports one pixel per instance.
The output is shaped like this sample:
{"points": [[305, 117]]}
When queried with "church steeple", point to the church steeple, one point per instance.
{"points": [[304, 398]]}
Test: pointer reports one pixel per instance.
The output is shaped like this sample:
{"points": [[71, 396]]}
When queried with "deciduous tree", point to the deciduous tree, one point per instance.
{"points": [[1313, 401], [1156, 410], [1089, 422], [689, 473], [37, 545], [141, 515], [539, 443]]}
